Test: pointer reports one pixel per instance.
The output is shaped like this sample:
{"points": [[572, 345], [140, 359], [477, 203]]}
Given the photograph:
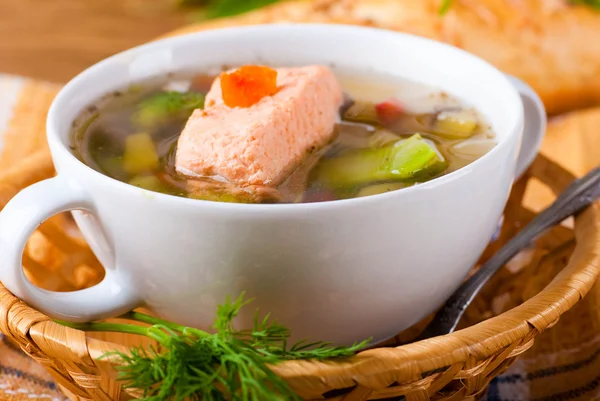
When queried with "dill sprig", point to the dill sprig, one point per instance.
{"points": [[225, 8], [228, 364]]}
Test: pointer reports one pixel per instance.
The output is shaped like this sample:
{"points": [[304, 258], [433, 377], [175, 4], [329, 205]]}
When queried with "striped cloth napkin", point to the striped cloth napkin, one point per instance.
{"points": [[564, 363]]}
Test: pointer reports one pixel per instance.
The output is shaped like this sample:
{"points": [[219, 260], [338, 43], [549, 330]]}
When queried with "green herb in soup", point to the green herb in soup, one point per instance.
{"points": [[162, 107], [262, 135]]}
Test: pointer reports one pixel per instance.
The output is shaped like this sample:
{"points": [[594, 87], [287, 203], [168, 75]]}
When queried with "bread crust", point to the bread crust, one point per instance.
{"points": [[550, 44]]}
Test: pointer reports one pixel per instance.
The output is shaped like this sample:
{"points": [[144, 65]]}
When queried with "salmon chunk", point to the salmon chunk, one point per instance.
{"points": [[261, 144]]}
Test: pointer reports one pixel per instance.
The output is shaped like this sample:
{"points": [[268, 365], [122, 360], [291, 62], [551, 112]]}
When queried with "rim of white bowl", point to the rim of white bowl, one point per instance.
{"points": [[62, 150]]}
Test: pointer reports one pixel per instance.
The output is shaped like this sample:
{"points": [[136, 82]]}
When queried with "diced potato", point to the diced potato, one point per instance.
{"points": [[407, 160], [456, 124], [380, 189], [140, 154]]}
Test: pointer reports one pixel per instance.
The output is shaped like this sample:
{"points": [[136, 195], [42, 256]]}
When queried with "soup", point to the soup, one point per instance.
{"points": [[176, 135]]}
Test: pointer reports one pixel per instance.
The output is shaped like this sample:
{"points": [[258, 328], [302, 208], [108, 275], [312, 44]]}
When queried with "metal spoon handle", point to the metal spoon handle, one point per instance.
{"points": [[580, 194]]}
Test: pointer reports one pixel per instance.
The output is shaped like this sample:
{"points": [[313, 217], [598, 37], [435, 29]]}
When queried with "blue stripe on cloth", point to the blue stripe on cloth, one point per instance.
{"points": [[510, 379], [493, 394], [505, 388], [7, 370], [502, 392], [518, 391], [555, 370], [10, 371], [11, 346], [574, 393]]}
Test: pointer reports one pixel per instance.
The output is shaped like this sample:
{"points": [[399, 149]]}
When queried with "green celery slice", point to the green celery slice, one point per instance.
{"points": [[411, 159]]}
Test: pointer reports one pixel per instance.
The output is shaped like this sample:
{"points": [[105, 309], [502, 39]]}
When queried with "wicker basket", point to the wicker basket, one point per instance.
{"points": [[523, 300], [458, 366]]}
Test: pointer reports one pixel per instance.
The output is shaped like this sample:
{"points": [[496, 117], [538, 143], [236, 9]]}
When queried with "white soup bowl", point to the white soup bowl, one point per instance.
{"points": [[339, 271]]}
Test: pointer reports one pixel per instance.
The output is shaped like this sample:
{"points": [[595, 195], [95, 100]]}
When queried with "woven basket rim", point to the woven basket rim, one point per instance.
{"points": [[509, 331]]}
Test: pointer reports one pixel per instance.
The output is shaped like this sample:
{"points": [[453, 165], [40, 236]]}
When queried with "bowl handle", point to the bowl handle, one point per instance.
{"points": [[534, 125], [19, 218]]}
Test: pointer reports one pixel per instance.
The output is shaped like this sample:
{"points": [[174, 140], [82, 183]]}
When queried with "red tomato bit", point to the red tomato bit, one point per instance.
{"points": [[389, 111]]}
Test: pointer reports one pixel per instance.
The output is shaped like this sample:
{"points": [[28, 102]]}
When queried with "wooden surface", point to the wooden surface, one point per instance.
{"points": [[55, 39]]}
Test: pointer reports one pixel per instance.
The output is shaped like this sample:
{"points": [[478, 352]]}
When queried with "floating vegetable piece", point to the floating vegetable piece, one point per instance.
{"points": [[380, 188], [456, 124], [163, 107], [202, 189], [202, 83], [149, 182], [319, 195], [217, 197], [140, 154], [178, 85], [355, 128], [346, 104], [361, 112], [247, 85], [406, 160], [113, 166], [473, 148], [383, 137], [389, 111]]}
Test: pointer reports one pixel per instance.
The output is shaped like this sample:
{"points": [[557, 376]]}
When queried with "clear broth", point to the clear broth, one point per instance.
{"points": [[100, 132]]}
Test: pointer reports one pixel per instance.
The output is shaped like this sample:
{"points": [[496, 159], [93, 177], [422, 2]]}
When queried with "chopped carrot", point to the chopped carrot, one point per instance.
{"points": [[389, 111], [247, 85]]}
